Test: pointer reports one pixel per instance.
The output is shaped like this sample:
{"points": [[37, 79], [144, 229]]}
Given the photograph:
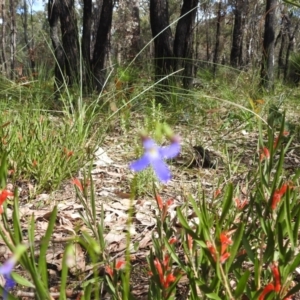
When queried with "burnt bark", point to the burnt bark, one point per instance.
{"points": [[30, 49], [53, 19], [163, 42], [267, 67], [237, 36], [86, 33], [102, 39], [68, 24], [218, 35], [183, 41]]}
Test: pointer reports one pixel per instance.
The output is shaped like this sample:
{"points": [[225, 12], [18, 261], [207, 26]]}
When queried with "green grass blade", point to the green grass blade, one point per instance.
{"points": [[226, 203], [42, 264]]}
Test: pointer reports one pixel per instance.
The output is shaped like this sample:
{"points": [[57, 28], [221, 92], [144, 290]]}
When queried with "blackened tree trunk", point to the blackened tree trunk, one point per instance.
{"points": [[183, 41], [290, 47], [53, 18], [218, 35], [86, 33], [65, 41], [267, 67], [163, 42], [237, 36], [68, 23], [101, 44], [30, 49]]}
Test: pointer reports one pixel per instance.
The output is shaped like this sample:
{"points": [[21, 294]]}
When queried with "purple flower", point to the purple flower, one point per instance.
{"points": [[155, 156], [6, 270]]}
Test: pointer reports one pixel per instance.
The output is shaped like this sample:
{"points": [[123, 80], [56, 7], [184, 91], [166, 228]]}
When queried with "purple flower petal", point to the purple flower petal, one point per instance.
{"points": [[140, 164], [170, 151], [149, 144], [9, 282], [6, 270], [7, 267], [161, 170]]}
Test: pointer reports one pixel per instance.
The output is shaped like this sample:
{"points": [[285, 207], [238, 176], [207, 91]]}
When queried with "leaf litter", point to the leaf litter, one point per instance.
{"points": [[112, 189]]}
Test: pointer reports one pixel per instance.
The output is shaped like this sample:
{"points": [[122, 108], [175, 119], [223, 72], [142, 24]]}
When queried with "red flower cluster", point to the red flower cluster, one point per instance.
{"points": [[278, 195], [166, 277], [273, 286], [264, 154], [225, 241], [77, 182], [68, 153], [163, 206], [3, 196], [240, 204], [120, 264]]}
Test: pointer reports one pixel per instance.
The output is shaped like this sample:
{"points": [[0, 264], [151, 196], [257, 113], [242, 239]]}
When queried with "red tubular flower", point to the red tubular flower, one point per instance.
{"points": [[172, 240], [212, 250], [109, 271], [240, 204], [217, 193], [276, 276], [158, 267], [224, 239], [190, 241], [170, 278], [159, 201], [277, 195], [77, 182], [264, 153], [268, 289], [120, 264], [4, 194], [224, 257]]}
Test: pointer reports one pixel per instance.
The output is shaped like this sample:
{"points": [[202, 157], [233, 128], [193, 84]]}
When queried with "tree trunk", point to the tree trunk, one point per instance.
{"points": [[127, 31], [267, 67], [291, 39], [282, 38], [3, 39], [53, 18], [101, 44], [86, 37], [68, 24], [218, 34], [163, 50], [183, 41], [30, 50], [237, 36], [13, 38]]}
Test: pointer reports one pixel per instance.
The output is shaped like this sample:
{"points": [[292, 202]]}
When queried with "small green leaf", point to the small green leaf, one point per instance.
{"points": [[213, 296], [241, 284], [237, 241], [21, 280], [226, 203], [182, 220], [248, 249], [288, 222]]}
